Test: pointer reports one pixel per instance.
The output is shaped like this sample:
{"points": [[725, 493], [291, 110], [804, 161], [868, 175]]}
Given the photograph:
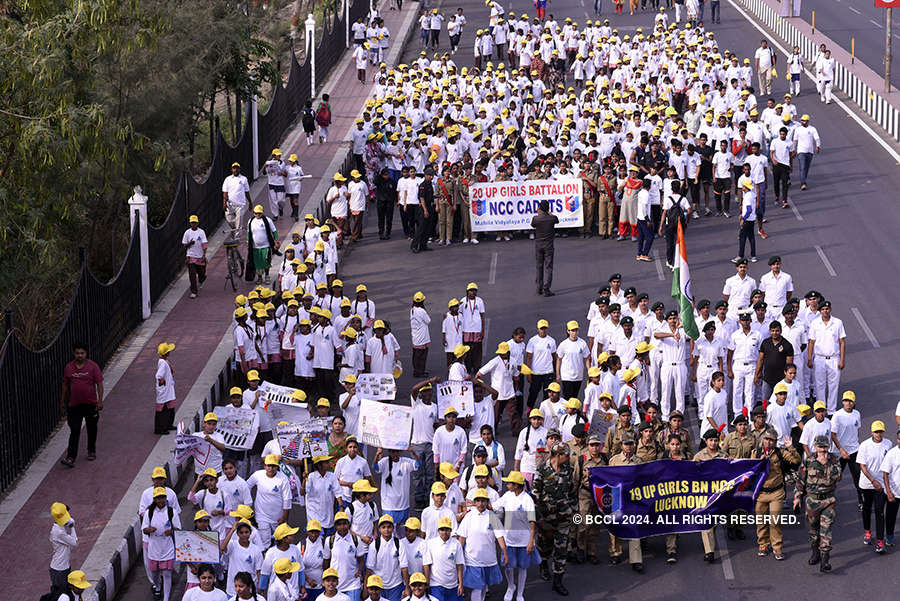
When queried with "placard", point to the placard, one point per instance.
{"points": [[280, 404], [385, 425], [508, 205], [238, 426], [457, 394], [601, 422], [304, 440], [376, 387], [196, 546], [188, 445]]}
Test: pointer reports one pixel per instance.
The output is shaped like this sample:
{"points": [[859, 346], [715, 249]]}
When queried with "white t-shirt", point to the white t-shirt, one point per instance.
{"points": [[516, 511], [386, 560], [236, 186], [478, 530], [197, 594], [471, 311], [501, 373], [871, 454], [159, 546], [241, 559], [195, 250], [715, 405], [764, 56], [273, 495], [845, 427], [783, 418], [814, 428], [448, 446], [418, 322], [349, 469], [258, 231], [891, 465], [321, 491], [343, 556], [541, 349], [414, 555], [572, 354], [395, 496], [430, 517], [165, 392], [443, 557]]}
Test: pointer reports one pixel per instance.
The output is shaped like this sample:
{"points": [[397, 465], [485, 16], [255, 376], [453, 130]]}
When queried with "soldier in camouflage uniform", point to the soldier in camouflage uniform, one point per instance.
{"points": [[817, 479], [738, 445], [555, 499], [541, 457], [614, 435]]}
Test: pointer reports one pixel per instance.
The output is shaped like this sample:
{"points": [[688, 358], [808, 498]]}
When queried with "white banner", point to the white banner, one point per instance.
{"points": [[376, 387], [238, 426], [511, 205], [281, 406], [457, 394], [385, 425], [188, 445], [304, 440], [195, 546]]}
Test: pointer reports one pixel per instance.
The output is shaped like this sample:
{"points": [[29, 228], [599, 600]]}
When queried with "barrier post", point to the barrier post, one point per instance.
{"points": [[138, 205], [310, 24], [887, 50]]}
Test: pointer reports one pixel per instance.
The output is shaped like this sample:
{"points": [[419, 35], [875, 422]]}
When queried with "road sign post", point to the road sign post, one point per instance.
{"points": [[887, 50]]}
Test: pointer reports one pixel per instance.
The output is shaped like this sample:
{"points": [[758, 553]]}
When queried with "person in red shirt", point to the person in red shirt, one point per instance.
{"points": [[81, 399]]}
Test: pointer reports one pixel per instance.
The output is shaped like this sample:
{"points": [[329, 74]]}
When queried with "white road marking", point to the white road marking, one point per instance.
{"points": [[658, 262], [727, 568], [854, 10], [492, 278], [878, 25], [825, 260], [809, 74], [487, 327], [796, 212], [865, 327]]}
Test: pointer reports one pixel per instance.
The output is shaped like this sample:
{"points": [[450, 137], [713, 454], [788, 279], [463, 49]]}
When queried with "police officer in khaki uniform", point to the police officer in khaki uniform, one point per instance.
{"points": [[590, 176], [738, 445], [771, 494], [626, 457], [818, 477], [648, 449], [588, 537], [711, 450], [676, 419], [614, 435]]}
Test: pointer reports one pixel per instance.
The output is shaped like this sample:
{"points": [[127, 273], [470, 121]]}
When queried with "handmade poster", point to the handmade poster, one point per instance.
{"points": [[509, 205], [280, 404], [601, 422], [188, 445], [276, 393], [376, 387], [385, 425], [294, 481], [457, 394], [194, 546], [304, 440], [238, 426], [668, 497]]}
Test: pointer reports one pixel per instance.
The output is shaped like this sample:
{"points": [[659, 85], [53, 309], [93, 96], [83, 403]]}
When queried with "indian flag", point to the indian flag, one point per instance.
{"points": [[681, 287]]}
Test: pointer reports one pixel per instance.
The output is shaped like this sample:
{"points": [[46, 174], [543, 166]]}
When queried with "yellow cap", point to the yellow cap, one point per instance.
{"points": [[363, 485], [378, 324], [525, 370], [642, 347], [299, 395], [210, 472], [341, 515], [235, 391], [444, 522], [411, 524], [535, 413], [438, 488], [572, 325], [350, 379], [502, 348], [321, 458], [450, 410], [515, 478], [159, 491], [60, 514], [419, 577], [313, 525], [78, 579], [849, 394], [331, 572], [284, 530], [803, 409], [240, 312], [202, 515], [385, 519], [285, 565], [272, 459], [447, 471], [543, 323], [554, 387], [165, 348], [193, 219], [878, 426], [594, 372], [258, 209], [374, 581], [158, 472], [210, 417], [244, 512], [481, 493], [453, 302], [461, 349], [780, 387], [323, 402], [418, 297], [481, 470], [819, 405], [573, 403]]}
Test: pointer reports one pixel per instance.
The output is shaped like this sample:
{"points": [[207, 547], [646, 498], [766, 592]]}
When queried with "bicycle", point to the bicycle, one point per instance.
{"points": [[235, 261]]}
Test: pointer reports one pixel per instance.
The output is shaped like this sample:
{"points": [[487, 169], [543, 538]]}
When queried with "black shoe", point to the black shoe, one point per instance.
{"points": [[549, 292], [558, 585], [709, 557], [615, 560], [825, 566], [540, 290], [580, 556], [739, 534], [815, 557], [638, 567], [594, 559], [672, 558], [545, 571], [730, 533]]}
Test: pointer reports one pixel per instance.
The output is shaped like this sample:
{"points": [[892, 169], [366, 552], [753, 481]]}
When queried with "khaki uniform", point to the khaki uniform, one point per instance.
{"points": [[758, 434], [771, 495], [591, 184], [709, 536], [461, 198], [736, 447], [650, 451], [606, 207], [615, 544], [444, 196], [687, 444], [588, 537], [613, 444]]}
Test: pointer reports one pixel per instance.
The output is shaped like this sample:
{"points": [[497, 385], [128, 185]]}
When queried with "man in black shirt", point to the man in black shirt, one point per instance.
{"points": [[544, 224], [424, 211], [706, 153], [774, 353]]}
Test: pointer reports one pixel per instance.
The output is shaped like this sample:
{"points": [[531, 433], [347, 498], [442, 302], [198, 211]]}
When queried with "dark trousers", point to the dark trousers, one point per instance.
{"points": [[91, 416], [747, 233], [670, 245], [420, 238], [570, 389], [714, 7], [196, 275], [890, 516], [722, 193], [385, 217], [656, 215], [874, 499], [543, 261], [782, 177], [474, 356], [407, 220], [59, 583], [325, 383], [419, 361], [645, 237], [536, 388], [854, 472]]}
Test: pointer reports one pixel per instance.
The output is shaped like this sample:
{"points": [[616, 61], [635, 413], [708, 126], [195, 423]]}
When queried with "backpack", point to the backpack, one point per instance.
{"points": [[396, 545], [676, 214], [169, 510], [309, 119], [331, 542], [323, 114]]}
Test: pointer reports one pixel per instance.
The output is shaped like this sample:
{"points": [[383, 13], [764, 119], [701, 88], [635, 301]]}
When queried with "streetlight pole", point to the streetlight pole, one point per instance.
{"points": [[887, 50]]}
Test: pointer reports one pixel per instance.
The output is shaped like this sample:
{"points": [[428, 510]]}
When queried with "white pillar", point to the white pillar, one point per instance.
{"points": [[347, 19], [137, 205], [311, 52], [254, 116]]}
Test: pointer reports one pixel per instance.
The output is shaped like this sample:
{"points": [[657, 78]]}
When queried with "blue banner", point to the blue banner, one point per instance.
{"points": [[667, 497]]}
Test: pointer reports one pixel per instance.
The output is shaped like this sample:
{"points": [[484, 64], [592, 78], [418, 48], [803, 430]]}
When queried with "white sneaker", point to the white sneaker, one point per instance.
{"points": [[441, 243], [510, 593], [193, 295], [507, 237], [497, 239], [448, 243], [531, 236], [474, 240], [465, 240]]}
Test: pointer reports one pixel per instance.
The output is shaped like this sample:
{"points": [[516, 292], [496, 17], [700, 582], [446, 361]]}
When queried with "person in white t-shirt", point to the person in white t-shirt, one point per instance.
{"points": [[781, 415], [273, 497], [159, 524], [477, 536], [235, 199], [358, 199], [164, 418], [540, 357], [890, 474], [195, 244], [845, 424], [419, 321], [517, 512], [572, 361], [765, 60], [443, 562], [870, 456], [395, 472]]}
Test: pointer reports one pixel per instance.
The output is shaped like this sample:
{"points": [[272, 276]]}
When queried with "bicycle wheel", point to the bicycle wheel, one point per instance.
{"points": [[232, 269], [240, 261]]}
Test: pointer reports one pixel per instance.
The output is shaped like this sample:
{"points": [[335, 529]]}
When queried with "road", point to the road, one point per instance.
{"points": [[842, 20], [838, 239]]}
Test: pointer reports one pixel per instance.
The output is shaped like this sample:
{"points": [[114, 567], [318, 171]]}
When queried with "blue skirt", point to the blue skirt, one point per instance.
{"points": [[393, 594], [400, 516], [444, 594], [313, 593], [481, 578], [520, 559]]}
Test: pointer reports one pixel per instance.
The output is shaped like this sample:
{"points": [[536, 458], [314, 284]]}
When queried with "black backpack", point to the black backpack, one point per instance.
{"points": [[378, 544], [676, 214]]}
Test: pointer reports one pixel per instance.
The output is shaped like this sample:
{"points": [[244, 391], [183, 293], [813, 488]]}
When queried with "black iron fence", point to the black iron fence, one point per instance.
{"points": [[102, 315]]}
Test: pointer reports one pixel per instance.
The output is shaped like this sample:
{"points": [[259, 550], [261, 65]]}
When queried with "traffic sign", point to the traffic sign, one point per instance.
{"points": [[886, 3]]}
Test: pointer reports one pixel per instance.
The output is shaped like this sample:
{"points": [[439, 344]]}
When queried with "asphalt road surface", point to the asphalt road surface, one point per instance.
{"points": [[838, 239]]}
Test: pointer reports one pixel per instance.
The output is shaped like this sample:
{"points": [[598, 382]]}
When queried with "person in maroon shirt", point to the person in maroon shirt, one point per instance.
{"points": [[82, 399]]}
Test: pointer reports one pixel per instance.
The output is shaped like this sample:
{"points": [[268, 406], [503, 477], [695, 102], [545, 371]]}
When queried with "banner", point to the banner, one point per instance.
{"points": [[238, 426], [194, 546], [281, 406], [385, 425], [304, 440], [667, 497], [601, 422], [457, 394], [188, 445], [376, 387], [498, 206]]}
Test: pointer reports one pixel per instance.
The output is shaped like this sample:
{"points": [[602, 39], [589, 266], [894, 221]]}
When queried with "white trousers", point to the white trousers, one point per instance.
{"points": [[828, 379], [672, 377], [655, 364], [742, 388], [276, 200], [704, 374], [234, 215]]}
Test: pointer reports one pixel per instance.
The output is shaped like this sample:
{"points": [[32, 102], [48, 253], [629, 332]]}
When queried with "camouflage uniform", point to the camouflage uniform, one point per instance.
{"points": [[771, 496], [555, 498], [818, 482]]}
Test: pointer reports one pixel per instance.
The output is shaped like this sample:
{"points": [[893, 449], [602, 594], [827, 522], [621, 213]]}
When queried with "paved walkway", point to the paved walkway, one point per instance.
{"points": [[93, 490]]}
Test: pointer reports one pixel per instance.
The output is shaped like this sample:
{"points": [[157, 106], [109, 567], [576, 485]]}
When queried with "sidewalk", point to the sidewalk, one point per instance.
{"points": [[94, 490]]}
